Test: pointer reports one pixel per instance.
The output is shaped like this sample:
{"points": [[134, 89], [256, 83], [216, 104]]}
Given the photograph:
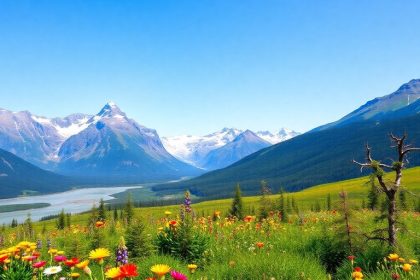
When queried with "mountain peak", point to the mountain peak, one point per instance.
{"points": [[111, 110]]}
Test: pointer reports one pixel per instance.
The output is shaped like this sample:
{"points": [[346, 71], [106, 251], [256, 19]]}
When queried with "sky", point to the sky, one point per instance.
{"points": [[194, 67]]}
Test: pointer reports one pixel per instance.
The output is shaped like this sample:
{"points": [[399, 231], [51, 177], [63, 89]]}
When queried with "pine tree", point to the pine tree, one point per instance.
{"points": [[265, 202], [115, 214], [128, 209], [68, 220], [282, 207], [137, 241], [329, 202], [29, 229], [61, 221], [237, 205], [14, 223], [93, 216], [101, 211]]}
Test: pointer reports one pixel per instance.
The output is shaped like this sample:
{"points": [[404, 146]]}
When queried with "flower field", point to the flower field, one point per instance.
{"points": [[205, 241]]}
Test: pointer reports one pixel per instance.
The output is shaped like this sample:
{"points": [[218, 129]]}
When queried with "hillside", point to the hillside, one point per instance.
{"points": [[18, 176], [306, 160]]}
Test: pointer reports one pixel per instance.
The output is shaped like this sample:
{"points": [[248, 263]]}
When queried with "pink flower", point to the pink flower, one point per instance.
{"points": [[178, 275], [39, 264], [60, 258]]}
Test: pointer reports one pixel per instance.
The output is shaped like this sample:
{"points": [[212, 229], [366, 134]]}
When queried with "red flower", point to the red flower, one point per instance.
{"points": [[129, 270], [395, 276], [99, 224], [72, 262], [59, 258], [358, 269], [39, 264], [351, 258]]}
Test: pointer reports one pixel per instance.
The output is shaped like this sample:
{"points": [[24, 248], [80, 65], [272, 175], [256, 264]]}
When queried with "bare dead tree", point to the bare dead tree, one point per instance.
{"points": [[390, 188]]}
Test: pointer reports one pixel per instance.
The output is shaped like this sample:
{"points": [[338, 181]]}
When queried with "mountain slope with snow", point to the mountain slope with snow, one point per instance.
{"points": [[243, 145], [193, 149]]}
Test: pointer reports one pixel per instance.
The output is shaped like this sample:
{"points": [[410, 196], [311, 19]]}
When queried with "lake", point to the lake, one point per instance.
{"points": [[73, 201]]}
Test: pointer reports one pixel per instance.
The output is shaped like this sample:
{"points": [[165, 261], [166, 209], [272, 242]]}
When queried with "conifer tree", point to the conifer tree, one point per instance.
{"points": [[237, 205], [61, 221], [129, 209], [329, 202], [265, 202], [373, 195], [101, 210]]}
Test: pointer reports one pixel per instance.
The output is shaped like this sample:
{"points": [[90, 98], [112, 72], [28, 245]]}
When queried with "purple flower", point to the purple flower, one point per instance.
{"points": [[178, 275], [187, 202], [121, 253]]}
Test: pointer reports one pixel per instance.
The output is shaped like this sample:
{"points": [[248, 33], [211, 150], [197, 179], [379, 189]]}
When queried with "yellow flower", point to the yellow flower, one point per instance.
{"points": [[357, 275], [167, 213], [82, 264], [113, 273], [413, 262], [401, 260], [99, 254], [192, 267], [160, 269], [393, 257], [61, 253], [406, 267], [74, 275]]}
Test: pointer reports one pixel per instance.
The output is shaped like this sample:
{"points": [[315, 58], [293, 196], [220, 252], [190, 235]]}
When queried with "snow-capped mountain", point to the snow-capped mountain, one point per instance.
{"points": [[37, 139], [282, 135], [112, 145], [193, 149], [108, 144], [243, 145]]}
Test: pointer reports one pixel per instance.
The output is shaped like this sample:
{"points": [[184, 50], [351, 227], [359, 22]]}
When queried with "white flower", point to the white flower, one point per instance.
{"points": [[52, 270]]}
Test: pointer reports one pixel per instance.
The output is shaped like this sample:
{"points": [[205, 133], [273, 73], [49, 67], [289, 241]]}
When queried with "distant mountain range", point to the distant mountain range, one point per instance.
{"points": [[205, 151], [110, 148], [323, 154]]}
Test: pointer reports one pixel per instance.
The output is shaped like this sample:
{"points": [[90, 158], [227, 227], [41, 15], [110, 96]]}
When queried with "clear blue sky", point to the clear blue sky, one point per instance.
{"points": [[193, 67]]}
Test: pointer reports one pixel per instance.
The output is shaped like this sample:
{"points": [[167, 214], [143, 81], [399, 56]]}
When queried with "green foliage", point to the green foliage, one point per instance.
{"points": [[329, 202], [16, 271], [101, 211], [137, 241], [265, 201], [237, 204], [282, 207], [61, 220], [402, 199], [128, 209], [373, 195]]}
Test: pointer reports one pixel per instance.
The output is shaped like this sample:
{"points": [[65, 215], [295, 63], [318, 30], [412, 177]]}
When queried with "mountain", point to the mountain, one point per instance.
{"points": [[114, 146], [18, 176], [194, 149], [243, 145], [318, 156], [282, 135], [37, 139], [381, 107]]}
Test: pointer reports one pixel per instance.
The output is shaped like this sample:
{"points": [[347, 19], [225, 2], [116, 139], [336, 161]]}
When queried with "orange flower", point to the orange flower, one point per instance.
{"points": [[99, 224], [260, 244]]}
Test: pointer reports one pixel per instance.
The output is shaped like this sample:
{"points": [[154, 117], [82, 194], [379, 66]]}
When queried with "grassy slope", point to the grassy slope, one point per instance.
{"points": [[356, 188]]}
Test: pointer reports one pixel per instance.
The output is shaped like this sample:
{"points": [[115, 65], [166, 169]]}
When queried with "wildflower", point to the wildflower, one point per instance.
{"points": [[187, 202], [248, 219], [393, 257], [173, 223], [59, 258], [52, 270], [351, 259], [29, 258], [395, 276], [113, 273], [74, 275], [52, 251], [357, 273], [168, 213], [39, 264], [87, 270], [192, 267], [401, 260], [82, 264], [99, 224], [160, 270], [178, 275], [122, 252], [129, 270], [406, 267], [259, 244], [99, 254], [72, 262], [413, 262], [3, 257]]}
